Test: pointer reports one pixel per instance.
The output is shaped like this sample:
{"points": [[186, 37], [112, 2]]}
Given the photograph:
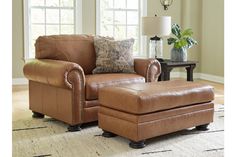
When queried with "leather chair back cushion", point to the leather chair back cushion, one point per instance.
{"points": [[73, 48]]}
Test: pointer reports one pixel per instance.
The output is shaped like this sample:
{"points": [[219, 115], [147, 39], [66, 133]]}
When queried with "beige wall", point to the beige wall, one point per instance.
{"points": [[89, 17], [17, 39], [205, 17], [191, 18], [212, 56]]}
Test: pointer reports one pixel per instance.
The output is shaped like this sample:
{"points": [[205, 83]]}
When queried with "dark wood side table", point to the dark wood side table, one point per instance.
{"points": [[167, 65]]}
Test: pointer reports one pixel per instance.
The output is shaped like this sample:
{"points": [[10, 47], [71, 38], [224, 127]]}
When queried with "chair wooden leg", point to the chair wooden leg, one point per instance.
{"points": [[202, 127], [137, 145], [37, 115], [73, 128], [108, 134]]}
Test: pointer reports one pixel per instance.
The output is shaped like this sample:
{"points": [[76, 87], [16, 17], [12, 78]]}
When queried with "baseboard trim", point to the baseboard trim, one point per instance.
{"points": [[175, 75], [202, 76], [213, 78], [184, 75], [19, 81]]}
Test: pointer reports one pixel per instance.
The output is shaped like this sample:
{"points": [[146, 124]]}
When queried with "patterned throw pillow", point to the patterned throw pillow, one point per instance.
{"points": [[113, 56]]}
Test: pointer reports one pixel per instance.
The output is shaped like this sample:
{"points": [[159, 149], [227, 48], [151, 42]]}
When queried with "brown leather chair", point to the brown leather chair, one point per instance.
{"points": [[61, 83]]}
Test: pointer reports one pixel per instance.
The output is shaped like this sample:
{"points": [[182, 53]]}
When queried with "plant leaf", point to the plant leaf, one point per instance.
{"points": [[191, 42], [183, 40], [178, 44], [183, 43], [187, 33], [171, 40], [176, 30]]}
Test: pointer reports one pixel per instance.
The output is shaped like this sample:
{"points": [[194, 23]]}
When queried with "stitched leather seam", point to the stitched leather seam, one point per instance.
{"points": [[81, 93], [148, 72], [120, 81], [207, 110]]}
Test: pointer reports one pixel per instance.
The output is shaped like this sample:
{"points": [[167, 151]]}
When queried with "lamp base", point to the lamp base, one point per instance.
{"points": [[160, 59], [155, 47]]}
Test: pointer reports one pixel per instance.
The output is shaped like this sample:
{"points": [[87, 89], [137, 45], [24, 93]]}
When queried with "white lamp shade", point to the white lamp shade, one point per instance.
{"points": [[156, 26]]}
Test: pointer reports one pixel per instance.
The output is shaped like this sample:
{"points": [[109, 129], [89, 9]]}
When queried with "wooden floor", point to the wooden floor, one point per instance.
{"points": [[20, 99], [218, 89]]}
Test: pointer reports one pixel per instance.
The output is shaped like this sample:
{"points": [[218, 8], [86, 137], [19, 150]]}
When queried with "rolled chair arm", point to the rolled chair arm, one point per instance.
{"points": [[148, 68], [54, 72]]}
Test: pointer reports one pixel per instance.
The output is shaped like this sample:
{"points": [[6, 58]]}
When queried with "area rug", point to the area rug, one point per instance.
{"points": [[48, 137]]}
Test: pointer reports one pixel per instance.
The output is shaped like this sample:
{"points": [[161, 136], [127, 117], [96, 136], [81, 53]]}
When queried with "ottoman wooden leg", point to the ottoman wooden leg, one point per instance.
{"points": [[137, 145], [73, 128], [108, 134], [202, 127], [37, 115]]}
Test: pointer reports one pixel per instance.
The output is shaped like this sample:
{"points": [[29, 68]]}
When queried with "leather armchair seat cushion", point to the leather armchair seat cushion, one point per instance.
{"points": [[96, 81], [145, 98]]}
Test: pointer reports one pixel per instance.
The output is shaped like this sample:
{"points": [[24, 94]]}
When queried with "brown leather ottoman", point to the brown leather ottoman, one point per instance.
{"points": [[145, 110]]}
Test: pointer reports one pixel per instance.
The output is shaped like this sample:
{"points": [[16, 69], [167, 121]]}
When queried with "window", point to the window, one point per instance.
{"points": [[50, 17], [122, 19]]}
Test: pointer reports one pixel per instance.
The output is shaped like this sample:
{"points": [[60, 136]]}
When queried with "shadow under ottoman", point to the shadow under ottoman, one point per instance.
{"points": [[145, 110]]}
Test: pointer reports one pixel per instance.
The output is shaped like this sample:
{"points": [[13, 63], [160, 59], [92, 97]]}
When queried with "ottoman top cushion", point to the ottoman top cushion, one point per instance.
{"points": [[142, 98]]}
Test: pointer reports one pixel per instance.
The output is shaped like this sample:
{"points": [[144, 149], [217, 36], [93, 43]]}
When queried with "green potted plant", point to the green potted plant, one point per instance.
{"points": [[182, 41]]}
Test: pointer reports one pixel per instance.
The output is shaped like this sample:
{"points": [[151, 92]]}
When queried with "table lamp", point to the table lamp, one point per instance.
{"points": [[157, 26]]}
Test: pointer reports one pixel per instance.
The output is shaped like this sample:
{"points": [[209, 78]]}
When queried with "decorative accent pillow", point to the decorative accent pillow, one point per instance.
{"points": [[113, 56], [101, 37]]}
